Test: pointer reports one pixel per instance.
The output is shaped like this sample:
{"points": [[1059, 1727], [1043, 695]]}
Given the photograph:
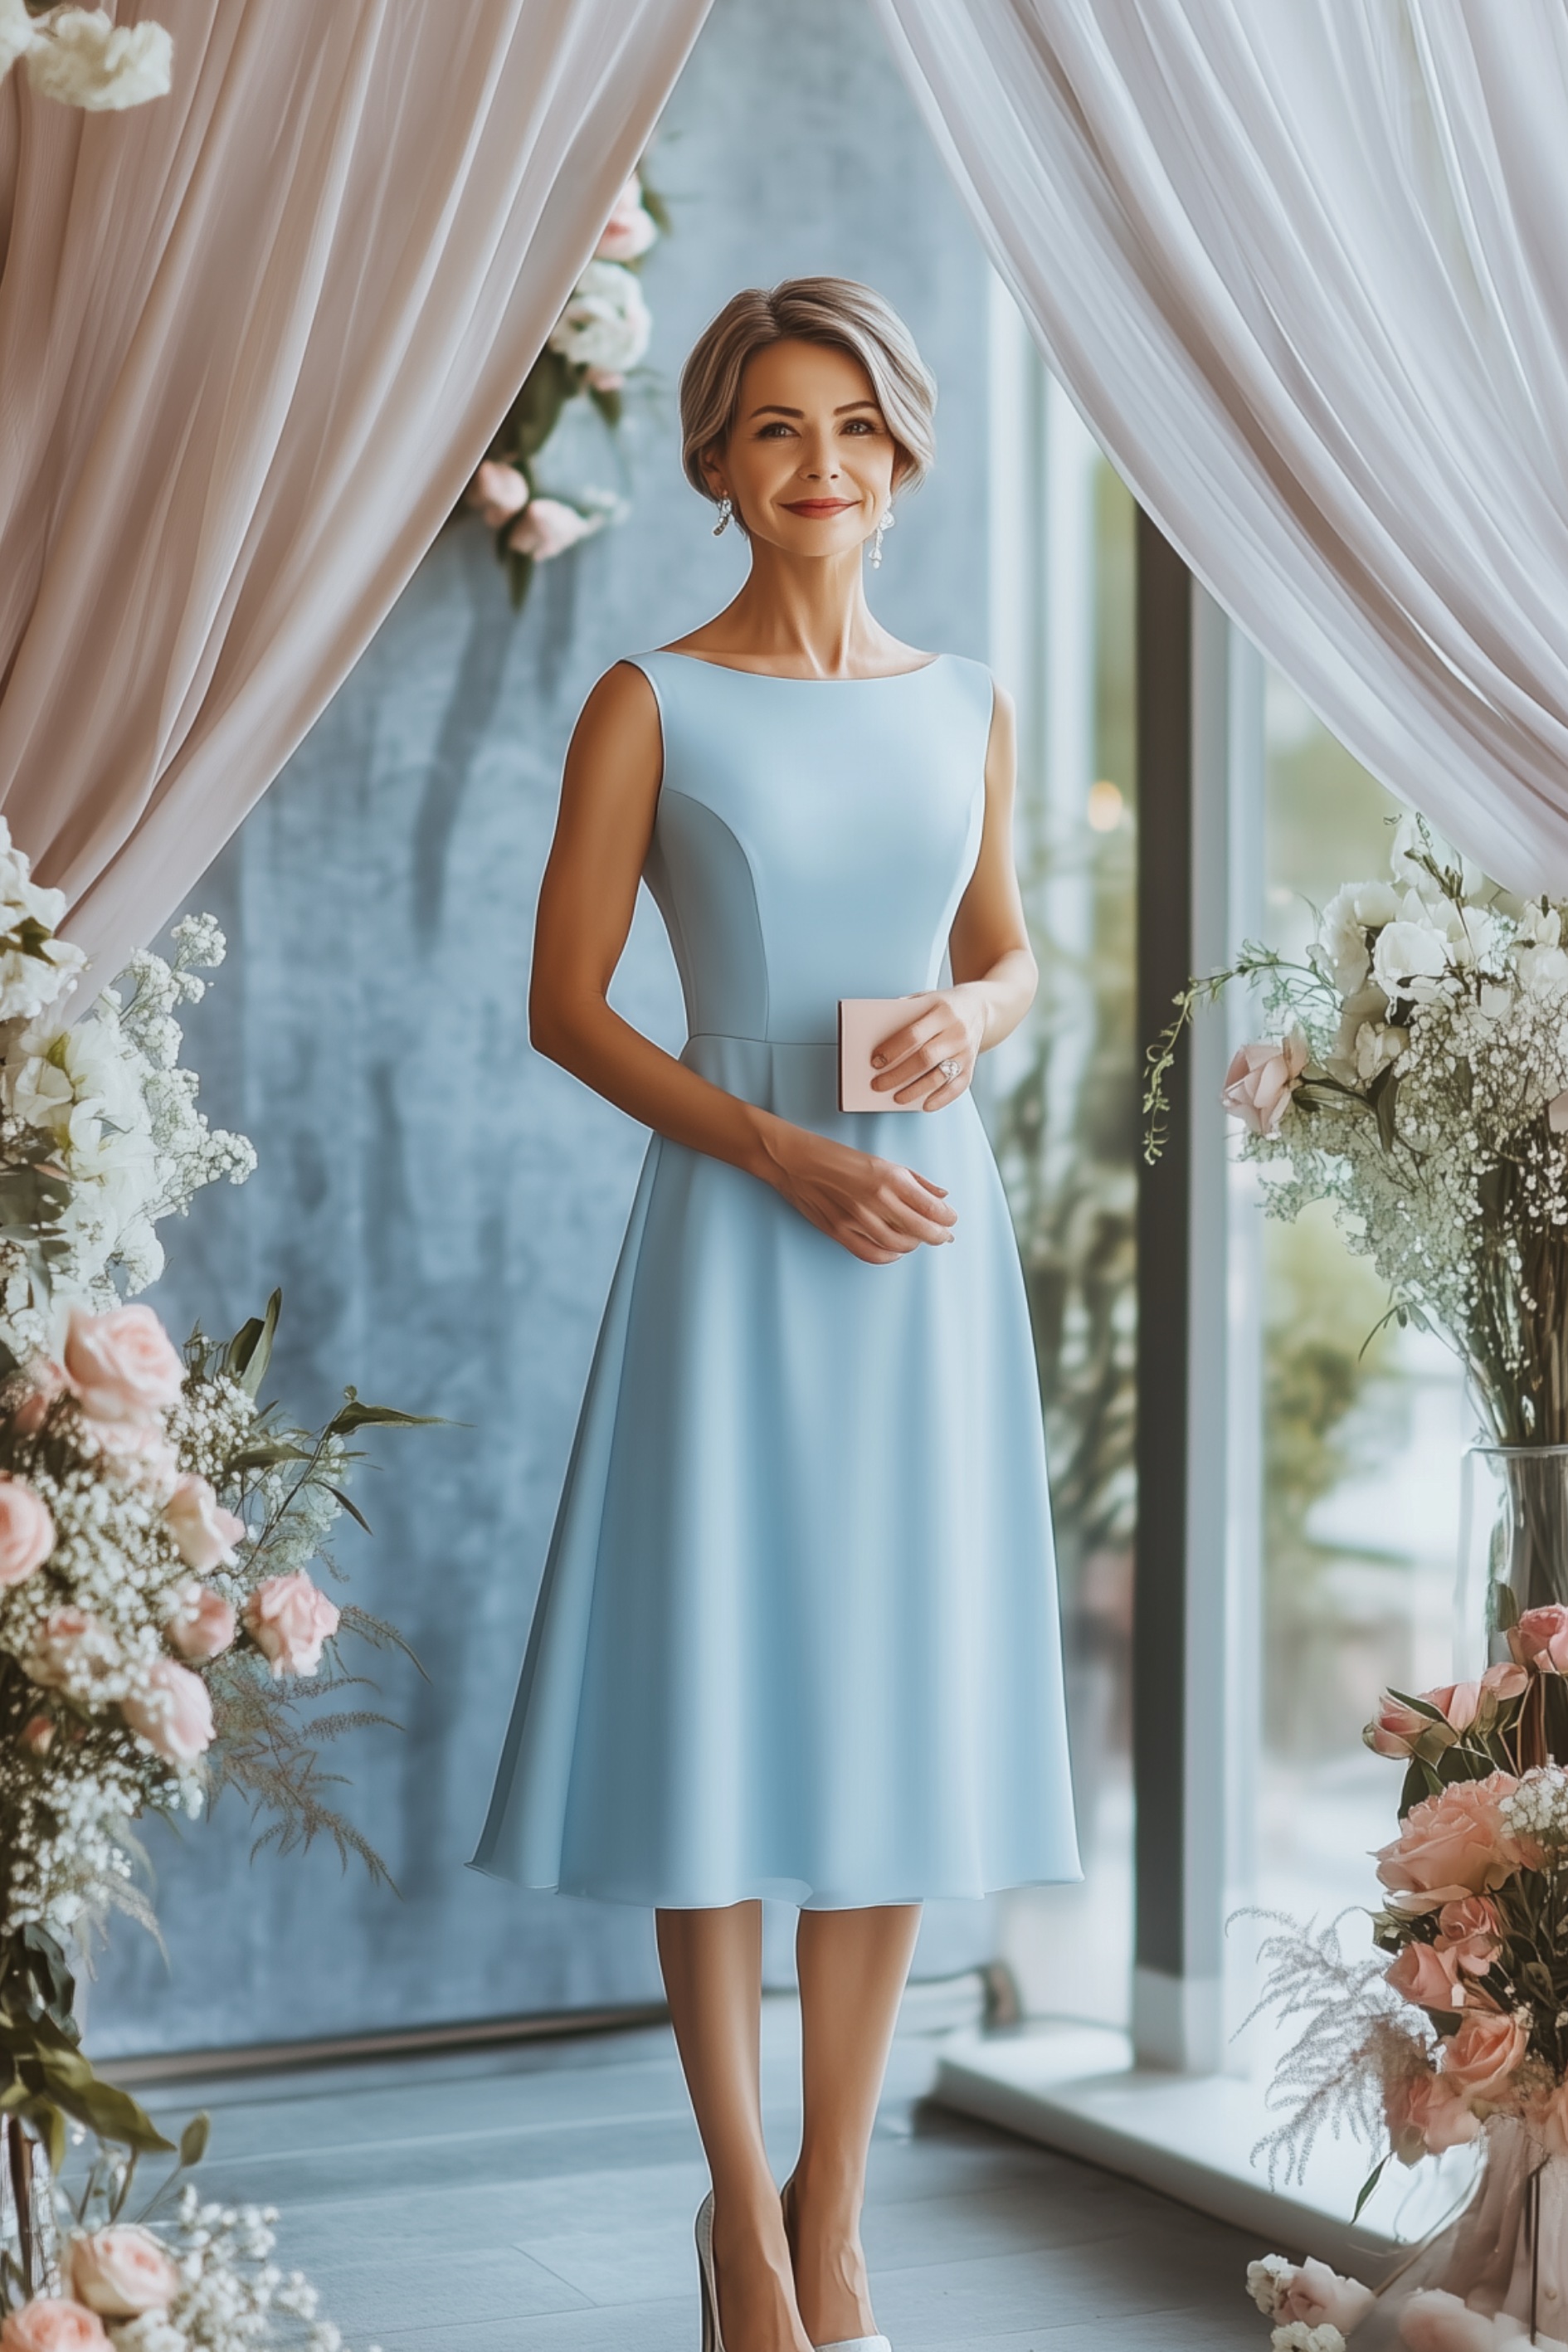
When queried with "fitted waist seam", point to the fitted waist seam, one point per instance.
{"points": [[736, 1037]]}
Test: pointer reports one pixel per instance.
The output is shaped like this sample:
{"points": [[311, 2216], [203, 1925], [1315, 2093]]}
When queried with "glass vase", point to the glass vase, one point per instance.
{"points": [[1514, 1559], [29, 2230], [1504, 2257]]}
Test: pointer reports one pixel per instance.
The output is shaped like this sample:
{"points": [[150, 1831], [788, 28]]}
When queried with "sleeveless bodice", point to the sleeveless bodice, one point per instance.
{"points": [[813, 836]]}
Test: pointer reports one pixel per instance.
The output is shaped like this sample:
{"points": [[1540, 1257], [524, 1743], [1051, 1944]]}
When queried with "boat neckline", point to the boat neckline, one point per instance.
{"points": [[780, 677]]}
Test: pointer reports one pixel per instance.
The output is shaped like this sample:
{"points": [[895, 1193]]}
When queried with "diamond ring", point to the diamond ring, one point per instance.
{"points": [[950, 1070]]}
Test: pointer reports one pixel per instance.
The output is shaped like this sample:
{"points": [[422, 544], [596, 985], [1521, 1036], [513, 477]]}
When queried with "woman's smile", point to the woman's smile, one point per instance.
{"points": [[818, 505]]}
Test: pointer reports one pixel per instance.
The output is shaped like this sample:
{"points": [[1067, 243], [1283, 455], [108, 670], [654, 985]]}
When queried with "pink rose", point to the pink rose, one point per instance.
{"points": [[1396, 1728], [498, 491], [203, 1624], [1484, 2051], [205, 1534], [140, 1449], [1425, 2113], [1472, 1932], [1427, 1976], [49, 2324], [38, 1736], [120, 2271], [630, 229], [1434, 2321], [289, 1618], [70, 1647], [172, 1711], [604, 380], [547, 526], [1453, 1845], [1261, 1080], [1318, 2297], [1540, 1638], [26, 1530], [122, 1365], [1505, 1682], [45, 1382]]}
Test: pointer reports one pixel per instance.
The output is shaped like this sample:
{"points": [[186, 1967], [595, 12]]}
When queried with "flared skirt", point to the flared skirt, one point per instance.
{"points": [[797, 1633]]}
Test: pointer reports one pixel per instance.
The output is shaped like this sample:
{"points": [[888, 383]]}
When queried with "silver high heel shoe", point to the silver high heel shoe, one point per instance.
{"points": [[711, 2340]]}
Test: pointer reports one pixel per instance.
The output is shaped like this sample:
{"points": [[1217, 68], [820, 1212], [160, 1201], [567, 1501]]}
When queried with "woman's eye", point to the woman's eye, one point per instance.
{"points": [[774, 431]]}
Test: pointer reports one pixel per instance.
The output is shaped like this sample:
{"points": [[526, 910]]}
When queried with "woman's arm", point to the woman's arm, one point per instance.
{"points": [[875, 1209], [994, 970]]}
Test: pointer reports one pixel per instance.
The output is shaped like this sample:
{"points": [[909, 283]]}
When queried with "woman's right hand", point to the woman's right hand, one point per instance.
{"points": [[875, 1209]]}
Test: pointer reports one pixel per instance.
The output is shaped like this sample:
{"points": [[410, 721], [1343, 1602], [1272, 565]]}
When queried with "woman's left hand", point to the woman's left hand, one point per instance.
{"points": [[909, 1063]]}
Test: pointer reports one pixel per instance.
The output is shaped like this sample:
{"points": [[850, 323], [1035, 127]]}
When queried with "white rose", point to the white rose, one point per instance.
{"points": [[1350, 913], [606, 323], [16, 32], [1377, 1044], [1414, 838], [28, 983], [1409, 960], [40, 1093]]}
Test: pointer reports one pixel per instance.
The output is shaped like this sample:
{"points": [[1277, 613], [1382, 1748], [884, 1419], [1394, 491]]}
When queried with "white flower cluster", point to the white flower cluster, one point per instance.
{"points": [[1538, 1808], [231, 2293], [1428, 1098], [206, 2283], [606, 324], [35, 967], [107, 1100], [68, 1833], [1298, 2335], [79, 57]]}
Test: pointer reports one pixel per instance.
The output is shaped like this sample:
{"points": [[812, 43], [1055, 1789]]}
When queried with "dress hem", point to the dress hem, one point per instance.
{"points": [[778, 1890]]}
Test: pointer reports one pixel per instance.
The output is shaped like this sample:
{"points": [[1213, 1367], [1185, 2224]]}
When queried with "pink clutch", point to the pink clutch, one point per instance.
{"points": [[863, 1022]]}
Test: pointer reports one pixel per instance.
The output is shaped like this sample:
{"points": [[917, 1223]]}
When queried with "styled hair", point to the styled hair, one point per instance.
{"points": [[833, 311]]}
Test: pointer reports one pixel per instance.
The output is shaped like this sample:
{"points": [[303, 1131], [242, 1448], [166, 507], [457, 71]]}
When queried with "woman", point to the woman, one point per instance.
{"points": [[797, 1634]]}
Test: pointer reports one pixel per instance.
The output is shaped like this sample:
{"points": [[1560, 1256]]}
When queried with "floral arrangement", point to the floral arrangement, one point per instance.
{"points": [[1461, 2027], [79, 57], [1417, 1079], [598, 341], [203, 2280], [159, 1630]]}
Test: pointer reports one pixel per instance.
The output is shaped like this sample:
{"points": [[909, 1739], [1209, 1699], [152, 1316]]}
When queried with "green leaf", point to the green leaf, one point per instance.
{"points": [[351, 1508], [250, 1349], [1384, 1096], [111, 2113], [519, 577], [353, 1416], [609, 405], [263, 1457], [1369, 2184], [1502, 1607], [193, 2140], [1416, 1786]]}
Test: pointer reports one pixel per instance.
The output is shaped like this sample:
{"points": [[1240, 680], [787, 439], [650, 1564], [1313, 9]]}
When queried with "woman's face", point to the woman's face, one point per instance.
{"points": [[809, 462]]}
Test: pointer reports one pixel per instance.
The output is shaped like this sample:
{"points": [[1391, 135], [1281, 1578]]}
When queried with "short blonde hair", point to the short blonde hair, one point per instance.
{"points": [[835, 311]]}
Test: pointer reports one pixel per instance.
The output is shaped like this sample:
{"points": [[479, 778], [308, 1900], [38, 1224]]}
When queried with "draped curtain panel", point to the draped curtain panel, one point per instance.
{"points": [[254, 337], [1302, 265]]}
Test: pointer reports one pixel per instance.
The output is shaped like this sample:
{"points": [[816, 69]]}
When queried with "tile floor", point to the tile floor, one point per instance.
{"points": [[538, 2198]]}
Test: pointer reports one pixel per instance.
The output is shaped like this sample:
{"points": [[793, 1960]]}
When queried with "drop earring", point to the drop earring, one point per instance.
{"points": [[726, 515], [885, 523]]}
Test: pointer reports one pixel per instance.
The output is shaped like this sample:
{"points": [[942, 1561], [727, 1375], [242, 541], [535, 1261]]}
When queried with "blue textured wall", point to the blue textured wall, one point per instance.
{"points": [[441, 1207]]}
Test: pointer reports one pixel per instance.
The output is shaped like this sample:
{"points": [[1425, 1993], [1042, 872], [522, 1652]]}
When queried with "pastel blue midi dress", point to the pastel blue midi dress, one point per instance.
{"points": [[797, 1634]]}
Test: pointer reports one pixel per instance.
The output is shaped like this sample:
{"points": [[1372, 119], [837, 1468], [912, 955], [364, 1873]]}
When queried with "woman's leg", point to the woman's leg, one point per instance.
{"points": [[852, 1969], [712, 1963]]}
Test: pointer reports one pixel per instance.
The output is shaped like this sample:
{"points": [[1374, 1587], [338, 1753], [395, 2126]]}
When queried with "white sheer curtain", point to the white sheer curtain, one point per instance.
{"points": [[254, 337], [1303, 265]]}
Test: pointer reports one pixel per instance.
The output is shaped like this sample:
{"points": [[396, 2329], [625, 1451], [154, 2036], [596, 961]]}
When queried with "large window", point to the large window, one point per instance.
{"points": [[1363, 1427]]}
